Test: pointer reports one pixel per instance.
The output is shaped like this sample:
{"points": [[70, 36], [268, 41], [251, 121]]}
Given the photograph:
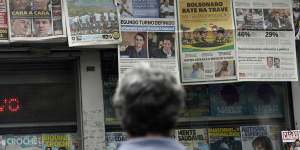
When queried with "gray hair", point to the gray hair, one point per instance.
{"points": [[148, 100]]}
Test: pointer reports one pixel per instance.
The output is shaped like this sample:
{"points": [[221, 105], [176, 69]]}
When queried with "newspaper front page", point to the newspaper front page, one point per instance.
{"points": [[92, 22], [34, 20], [3, 22], [149, 34], [265, 40], [207, 47], [296, 17]]}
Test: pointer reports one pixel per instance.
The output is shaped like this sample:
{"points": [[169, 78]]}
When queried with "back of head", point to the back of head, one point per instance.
{"points": [[263, 142], [147, 101]]}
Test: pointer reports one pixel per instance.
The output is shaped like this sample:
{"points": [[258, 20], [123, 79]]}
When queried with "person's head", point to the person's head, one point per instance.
{"points": [[297, 143], [160, 44], [224, 66], [48, 148], [276, 61], [220, 32], [203, 32], [139, 40], [40, 4], [270, 62], [147, 101], [19, 4], [262, 143], [213, 27], [61, 148], [20, 26], [150, 35], [195, 67], [42, 26], [167, 44], [277, 14], [166, 3]]}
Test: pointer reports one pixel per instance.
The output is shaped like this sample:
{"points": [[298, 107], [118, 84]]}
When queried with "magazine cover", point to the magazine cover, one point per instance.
{"points": [[290, 139], [254, 137], [227, 100], [224, 139], [33, 20], [265, 98], [114, 139], [196, 101], [56, 142], [193, 139], [23, 142]]}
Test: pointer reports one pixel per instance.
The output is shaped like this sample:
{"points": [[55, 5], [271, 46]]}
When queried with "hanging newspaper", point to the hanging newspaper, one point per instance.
{"points": [[206, 41], [3, 22], [92, 22], [149, 34], [33, 20], [296, 16], [265, 40]]}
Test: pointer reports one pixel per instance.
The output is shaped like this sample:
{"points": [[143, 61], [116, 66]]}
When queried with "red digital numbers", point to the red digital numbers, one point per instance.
{"points": [[9, 105]]}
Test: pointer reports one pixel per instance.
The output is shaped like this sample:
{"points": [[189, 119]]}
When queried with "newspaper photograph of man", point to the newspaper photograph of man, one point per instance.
{"points": [[17, 5], [166, 9], [277, 19], [162, 46], [40, 5], [134, 45], [249, 19], [20, 27], [42, 27]]}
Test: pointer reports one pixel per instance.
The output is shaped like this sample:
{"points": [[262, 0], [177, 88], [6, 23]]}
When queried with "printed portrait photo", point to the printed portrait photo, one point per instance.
{"points": [[161, 45], [134, 45]]}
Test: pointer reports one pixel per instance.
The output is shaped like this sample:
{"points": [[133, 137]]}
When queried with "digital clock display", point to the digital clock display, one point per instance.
{"points": [[11, 104], [34, 93], [53, 102]]}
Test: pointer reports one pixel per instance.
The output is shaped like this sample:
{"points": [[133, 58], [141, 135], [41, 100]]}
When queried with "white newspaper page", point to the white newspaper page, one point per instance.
{"points": [[265, 40], [34, 20], [207, 41], [296, 17], [92, 22], [149, 34]]}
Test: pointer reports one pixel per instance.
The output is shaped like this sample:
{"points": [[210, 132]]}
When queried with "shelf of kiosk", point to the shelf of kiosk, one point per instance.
{"points": [[239, 101], [205, 119]]}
